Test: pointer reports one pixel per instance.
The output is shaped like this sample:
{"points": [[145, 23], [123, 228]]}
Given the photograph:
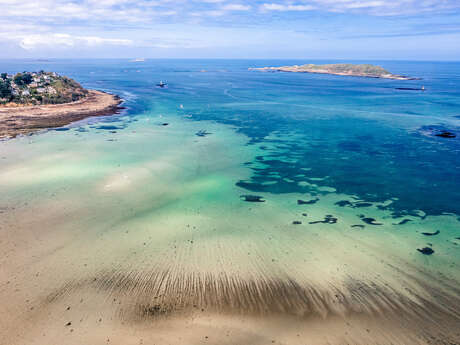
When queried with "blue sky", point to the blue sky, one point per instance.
{"points": [[305, 29]]}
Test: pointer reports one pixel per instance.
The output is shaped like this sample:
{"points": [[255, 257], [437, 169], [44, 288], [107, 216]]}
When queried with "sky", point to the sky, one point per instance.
{"points": [[278, 29]]}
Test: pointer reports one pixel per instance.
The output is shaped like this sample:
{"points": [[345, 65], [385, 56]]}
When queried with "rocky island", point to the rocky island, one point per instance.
{"points": [[32, 101], [362, 70]]}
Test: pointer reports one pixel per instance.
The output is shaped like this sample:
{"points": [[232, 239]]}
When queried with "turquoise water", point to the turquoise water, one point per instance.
{"points": [[364, 135], [125, 203]]}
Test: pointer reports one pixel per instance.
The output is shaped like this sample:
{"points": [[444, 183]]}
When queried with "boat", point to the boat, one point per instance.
{"points": [[411, 88], [161, 84]]}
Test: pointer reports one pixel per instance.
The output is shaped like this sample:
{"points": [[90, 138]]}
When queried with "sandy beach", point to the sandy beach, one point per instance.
{"points": [[27, 119]]}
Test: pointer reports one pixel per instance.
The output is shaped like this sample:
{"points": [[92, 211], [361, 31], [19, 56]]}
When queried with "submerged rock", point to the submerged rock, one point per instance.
{"points": [[296, 222], [252, 198], [362, 204], [369, 220], [426, 250], [343, 203], [202, 133], [328, 219], [446, 134], [431, 233], [438, 131], [308, 202], [108, 127], [404, 221]]}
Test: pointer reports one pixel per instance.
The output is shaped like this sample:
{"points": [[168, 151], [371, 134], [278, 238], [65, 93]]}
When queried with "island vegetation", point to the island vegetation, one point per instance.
{"points": [[34, 88], [355, 70], [32, 101]]}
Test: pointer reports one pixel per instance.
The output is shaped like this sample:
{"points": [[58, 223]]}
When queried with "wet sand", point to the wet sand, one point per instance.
{"points": [[155, 246], [27, 119]]}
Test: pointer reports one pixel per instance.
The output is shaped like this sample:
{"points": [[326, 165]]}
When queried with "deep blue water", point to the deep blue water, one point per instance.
{"points": [[361, 135]]}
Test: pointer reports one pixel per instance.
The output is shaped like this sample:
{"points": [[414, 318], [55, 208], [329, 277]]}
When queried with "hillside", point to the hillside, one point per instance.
{"points": [[35, 88]]}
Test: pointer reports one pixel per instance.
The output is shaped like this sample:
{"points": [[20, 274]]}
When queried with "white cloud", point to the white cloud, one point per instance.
{"points": [[372, 7], [281, 7], [31, 42], [89, 23], [236, 7]]}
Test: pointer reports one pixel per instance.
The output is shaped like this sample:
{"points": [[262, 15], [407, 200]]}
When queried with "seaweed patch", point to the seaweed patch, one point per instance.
{"points": [[252, 198], [426, 251], [328, 219], [404, 221], [369, 220], [307, 202], [431, 233]]}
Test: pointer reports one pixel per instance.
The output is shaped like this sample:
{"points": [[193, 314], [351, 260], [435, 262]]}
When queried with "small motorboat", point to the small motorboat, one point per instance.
{"points": [[411, 88], [161, 84]]}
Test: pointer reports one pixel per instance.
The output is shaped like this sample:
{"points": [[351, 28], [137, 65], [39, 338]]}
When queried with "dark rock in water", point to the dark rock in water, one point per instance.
{"points": [[296, 222], [358, 226], [404, 221], [370, 221], [362, 204], [438, 131], [446, 134], [431, 233], [108, 127], [426, 250], [404, 213], [202, 133], [308, 202], [329, 219], [304, 214], [252, 198], [343, 203]]}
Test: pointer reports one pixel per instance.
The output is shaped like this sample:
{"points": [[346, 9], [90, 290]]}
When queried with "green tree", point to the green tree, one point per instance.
{"points": [[22, 79], [5, 89]]}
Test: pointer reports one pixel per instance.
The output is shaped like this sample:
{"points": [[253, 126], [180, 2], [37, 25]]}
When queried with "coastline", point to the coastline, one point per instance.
{"points": [[298, 69], [22, 120]]}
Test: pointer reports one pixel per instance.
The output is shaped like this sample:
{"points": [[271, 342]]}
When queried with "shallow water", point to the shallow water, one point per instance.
{"points": [[130, 220]]}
